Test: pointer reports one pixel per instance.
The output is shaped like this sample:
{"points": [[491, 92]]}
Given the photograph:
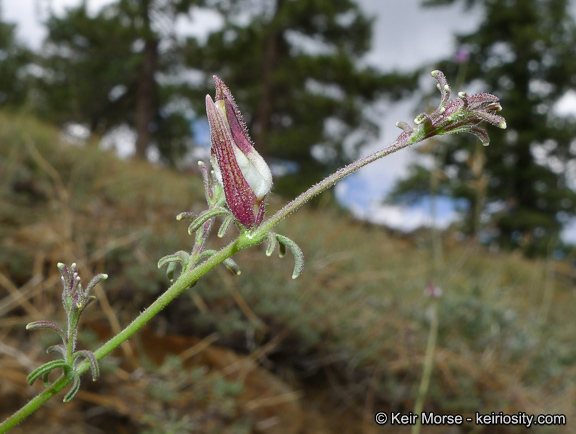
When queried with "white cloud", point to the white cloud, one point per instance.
{"points": [[407, 35], [122, 139], [569, 232], [567, 104], [402, 217], [29, 14], [202, 22]]}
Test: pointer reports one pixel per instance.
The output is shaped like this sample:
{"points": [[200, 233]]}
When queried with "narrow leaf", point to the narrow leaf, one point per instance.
{"points": [[281, 249], [74, 389], [204, 217], [45, 369], [36, 325], [497, 121], [171, 270], [232, 266], [206, 254], [442, 86], [225, 225], [296, 251], [89, 355], [95, 281], [480, 133], [272, 243], [181, 257], [405, 126], [46, 379], [61, 349], [206, 180], [187, 216]]}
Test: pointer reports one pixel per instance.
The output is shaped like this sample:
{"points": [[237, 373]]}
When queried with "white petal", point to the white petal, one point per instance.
{"points": [[256, 172]]}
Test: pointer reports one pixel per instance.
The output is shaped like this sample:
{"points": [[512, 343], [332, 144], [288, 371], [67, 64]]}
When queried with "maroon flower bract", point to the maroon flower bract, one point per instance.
{"points": [[243, 173]]}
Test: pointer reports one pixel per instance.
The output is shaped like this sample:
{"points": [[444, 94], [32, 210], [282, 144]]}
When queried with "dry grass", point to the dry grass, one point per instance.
{"points": [[350, 332]]}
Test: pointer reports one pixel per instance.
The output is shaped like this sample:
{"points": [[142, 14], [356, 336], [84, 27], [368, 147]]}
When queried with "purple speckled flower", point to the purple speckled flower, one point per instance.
{"points": [[459, 115]]}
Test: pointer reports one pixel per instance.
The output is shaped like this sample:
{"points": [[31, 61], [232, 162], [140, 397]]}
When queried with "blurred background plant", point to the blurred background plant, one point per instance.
{"points": [[520, 52], [260, 352]]}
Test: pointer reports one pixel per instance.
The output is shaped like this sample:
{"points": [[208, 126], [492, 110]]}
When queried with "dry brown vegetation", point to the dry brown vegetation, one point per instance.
{"points": [[261, 352]]}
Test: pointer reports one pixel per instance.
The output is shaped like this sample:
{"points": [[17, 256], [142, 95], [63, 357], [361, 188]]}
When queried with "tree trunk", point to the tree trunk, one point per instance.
{"points": [[263, 117], [146, 98]]}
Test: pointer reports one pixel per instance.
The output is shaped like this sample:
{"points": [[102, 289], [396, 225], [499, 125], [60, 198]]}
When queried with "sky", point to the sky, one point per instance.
{"points": [[405, 37]]}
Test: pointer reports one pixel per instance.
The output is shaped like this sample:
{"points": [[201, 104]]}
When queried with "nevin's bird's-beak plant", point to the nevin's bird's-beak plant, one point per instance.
{"points": [[236, 189]]}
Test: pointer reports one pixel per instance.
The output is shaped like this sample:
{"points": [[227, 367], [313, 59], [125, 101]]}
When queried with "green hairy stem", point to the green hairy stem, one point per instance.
{"points": [[455, 116], [188, 279]]}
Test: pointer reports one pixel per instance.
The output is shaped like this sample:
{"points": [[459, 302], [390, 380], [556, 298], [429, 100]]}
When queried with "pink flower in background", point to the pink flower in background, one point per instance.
{"points": [[432, 290], [462, 55]]}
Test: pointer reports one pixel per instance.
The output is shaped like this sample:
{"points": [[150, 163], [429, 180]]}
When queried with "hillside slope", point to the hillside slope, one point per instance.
{"points": [[262, 352]]}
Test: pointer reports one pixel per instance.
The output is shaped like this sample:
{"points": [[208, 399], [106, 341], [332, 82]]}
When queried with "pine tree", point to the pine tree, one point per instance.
{"points": [[103, 71], [14, 75], [295, 66], [523, 52]]}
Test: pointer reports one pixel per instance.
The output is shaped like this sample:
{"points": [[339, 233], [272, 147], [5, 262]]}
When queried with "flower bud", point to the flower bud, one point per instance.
{"points": [[243, 173]]}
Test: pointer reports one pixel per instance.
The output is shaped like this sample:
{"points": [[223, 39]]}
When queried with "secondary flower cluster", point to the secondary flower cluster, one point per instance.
{"points": [[75, 298], [462, 115]]}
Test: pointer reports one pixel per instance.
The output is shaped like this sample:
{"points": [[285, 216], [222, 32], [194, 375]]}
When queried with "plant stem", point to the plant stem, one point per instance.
{"points": [[183, 282], [34, 404], [186, 280], [428, 365], [400, 143]]}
